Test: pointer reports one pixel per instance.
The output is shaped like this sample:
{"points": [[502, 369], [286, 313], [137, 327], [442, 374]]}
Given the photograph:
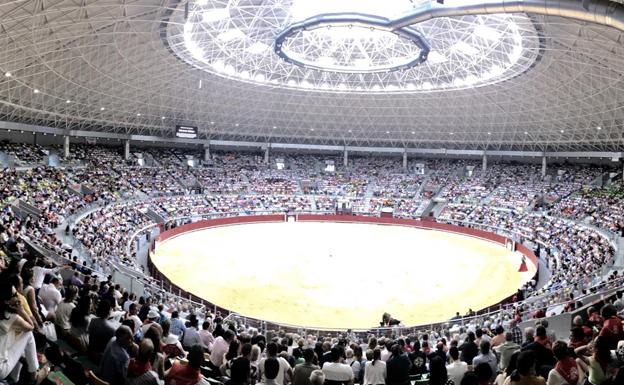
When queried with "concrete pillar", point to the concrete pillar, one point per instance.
{"points": [[543, 166], [206, 152], [345, 158], [266, 155], [484, 162], [127, 150], [66, 146], [404, 160]]}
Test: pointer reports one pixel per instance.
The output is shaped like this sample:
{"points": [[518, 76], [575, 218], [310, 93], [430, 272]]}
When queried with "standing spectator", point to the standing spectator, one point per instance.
{"points": [[486, 356], [418, 360], [506, 350], [398, 367], [65, 308], [525, 371], [101, 330], [457, 368], [375, 370], [336, 372], [302, 372], [437, 372], [469, 349], [220, 347], [50, 296], [207, 339], [612, 328]]}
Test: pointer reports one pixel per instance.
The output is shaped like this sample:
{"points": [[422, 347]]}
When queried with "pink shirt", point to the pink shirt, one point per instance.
{"points": [[219, 348]]}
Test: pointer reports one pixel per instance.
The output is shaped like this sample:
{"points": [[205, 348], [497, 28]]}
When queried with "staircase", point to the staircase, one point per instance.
{"points": [[370, 192], [618, 263]]}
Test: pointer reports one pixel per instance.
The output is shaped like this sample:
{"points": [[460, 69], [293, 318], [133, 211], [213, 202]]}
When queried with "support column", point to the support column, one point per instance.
{"points": [[484, 167], [345, 158], [404, 159], [543, 166], [127, 150], [206, 152], [266, 155], [66, 146]]}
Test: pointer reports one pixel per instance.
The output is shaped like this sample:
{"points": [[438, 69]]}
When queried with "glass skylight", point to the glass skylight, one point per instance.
{"points": [[235, 39]]}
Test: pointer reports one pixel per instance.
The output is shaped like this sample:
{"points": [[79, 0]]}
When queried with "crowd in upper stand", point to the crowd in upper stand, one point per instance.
{"points": [[511, 198]]}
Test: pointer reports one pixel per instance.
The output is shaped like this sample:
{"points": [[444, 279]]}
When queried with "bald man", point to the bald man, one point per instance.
{"points": [[114, 364]]}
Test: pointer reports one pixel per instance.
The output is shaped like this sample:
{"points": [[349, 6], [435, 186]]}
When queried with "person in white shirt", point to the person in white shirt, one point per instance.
{"points": [[50, 295], [285, 371], [456, 368], [375, 370], [64, 309], [385, 353], [131, 314], [207, 339], [191, 335], [39, 272], [337, 372], [317, 377], [220, 347]]}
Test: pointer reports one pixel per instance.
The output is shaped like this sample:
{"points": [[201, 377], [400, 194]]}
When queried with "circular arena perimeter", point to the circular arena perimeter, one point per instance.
{"points": [[338, 272]]}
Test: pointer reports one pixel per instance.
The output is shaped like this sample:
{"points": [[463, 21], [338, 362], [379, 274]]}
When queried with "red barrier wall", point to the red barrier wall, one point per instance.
{"points": [[408, 222], [217, 222]]}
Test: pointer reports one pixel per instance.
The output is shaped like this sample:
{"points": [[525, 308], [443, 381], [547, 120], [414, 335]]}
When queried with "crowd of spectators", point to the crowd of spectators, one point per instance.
{"points": [[132, 339], [127, 339]]}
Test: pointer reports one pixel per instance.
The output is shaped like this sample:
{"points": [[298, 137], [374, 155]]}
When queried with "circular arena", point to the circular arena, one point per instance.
{"points": [[280, 262], [405, 192]]}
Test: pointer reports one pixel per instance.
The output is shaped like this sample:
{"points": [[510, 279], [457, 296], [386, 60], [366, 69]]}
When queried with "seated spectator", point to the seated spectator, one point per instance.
{"points": [[601, 365], [302, 372], [503, 378], [186, 374], [499, 338], [140, 368], [525, 371], [457, 368], [567, 370], [375, 370], [16, 338], [114, 363]]}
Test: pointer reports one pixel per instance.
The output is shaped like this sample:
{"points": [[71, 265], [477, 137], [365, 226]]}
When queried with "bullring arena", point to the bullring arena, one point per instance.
{"points": [[298, 192], [298, 272]]}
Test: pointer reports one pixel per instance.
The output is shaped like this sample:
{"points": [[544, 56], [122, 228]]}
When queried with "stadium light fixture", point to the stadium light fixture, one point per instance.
{"points": [[67, 101], [8, 74], [36, 91]]}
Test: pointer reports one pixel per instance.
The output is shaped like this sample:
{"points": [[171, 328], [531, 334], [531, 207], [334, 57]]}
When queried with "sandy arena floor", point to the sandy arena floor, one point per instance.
{"points": [[340, 275]]}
